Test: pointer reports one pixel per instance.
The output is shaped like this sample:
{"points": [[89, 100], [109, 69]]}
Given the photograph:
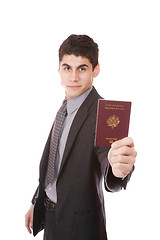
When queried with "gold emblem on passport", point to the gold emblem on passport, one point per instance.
{"points": [[113, 121]]}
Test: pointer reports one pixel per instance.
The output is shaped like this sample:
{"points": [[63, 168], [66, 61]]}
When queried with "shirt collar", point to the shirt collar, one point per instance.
{"points": [[74, 103]]}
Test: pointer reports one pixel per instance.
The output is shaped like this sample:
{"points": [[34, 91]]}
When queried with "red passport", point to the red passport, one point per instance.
{"points": [[112, 122]]}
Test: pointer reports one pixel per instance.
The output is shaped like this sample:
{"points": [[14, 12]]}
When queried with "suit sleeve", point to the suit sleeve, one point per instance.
{"points": [[111, 183], [44, 166], [35, 196], [114, 184]]}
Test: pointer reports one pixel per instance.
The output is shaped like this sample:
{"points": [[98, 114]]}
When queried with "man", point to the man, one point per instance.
{"points": [[69, 202]]}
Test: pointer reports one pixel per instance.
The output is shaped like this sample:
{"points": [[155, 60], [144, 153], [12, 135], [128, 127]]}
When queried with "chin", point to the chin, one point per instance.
{"points": [[73, 93]]}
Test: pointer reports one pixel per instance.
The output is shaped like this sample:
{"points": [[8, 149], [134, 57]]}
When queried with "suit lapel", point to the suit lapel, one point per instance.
{"points": [[77, 123]]}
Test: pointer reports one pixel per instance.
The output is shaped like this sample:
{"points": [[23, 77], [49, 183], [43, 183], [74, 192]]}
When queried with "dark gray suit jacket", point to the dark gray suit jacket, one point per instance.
{"points": [[80, 213]]}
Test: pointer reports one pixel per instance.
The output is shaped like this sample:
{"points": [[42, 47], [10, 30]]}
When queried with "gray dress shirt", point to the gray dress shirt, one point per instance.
{"points": [[72, 107]]}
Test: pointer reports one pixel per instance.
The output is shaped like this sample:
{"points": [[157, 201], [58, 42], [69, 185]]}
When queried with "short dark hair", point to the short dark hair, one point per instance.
{"points": [[80, 45]]}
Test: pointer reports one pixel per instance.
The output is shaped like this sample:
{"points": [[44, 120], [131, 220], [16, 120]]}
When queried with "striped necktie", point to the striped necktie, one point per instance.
{"points": [[55, 136]]}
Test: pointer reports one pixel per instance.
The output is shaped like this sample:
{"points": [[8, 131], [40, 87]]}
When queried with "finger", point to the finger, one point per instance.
{"points": [[122, 160], [28, 224], [28, 229], [127, 141], [125, 150], [31, 224], [121, 170]]}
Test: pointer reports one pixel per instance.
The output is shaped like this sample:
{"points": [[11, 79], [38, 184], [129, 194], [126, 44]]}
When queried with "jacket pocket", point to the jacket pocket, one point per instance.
{"points": [[90, 224]]}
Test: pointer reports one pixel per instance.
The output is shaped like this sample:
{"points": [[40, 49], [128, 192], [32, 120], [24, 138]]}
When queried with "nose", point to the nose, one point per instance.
{"points": [[74, 76]]}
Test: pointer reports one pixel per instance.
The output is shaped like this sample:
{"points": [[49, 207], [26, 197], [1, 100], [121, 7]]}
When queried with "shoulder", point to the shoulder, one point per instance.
{"points": [[92, 98]]}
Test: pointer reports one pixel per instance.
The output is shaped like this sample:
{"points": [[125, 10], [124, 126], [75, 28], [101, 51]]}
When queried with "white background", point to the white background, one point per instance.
{"points": [[128, 34]]}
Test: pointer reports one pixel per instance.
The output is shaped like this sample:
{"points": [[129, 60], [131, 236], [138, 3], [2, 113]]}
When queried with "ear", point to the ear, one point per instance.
{"points": [[96, 70]]}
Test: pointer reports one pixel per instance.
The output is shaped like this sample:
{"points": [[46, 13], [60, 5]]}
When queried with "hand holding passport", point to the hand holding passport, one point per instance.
{"points": [[112, 122]]}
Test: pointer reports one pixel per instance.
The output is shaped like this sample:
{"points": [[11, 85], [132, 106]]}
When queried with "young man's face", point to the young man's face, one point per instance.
{"points": [[76, 75]]}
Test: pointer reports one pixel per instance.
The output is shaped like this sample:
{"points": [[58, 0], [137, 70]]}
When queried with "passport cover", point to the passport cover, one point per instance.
{"points": [[112, 122]]}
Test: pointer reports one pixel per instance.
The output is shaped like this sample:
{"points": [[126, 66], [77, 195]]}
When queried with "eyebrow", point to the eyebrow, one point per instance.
{"points": [[67, 65]]}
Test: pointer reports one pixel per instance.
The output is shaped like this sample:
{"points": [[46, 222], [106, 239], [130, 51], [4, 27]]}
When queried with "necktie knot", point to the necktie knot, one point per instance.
{"points": [[64, 107]]}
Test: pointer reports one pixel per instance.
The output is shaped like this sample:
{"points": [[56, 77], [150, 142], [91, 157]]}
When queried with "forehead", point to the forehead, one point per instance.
{"points": [[75, 61]]}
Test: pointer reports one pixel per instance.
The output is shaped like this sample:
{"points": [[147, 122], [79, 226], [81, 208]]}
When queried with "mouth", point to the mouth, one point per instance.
{"points": [[74, 87]]}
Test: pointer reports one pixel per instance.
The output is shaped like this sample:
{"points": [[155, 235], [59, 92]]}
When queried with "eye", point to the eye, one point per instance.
{"points": [[82, 69], [67, 68]]}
